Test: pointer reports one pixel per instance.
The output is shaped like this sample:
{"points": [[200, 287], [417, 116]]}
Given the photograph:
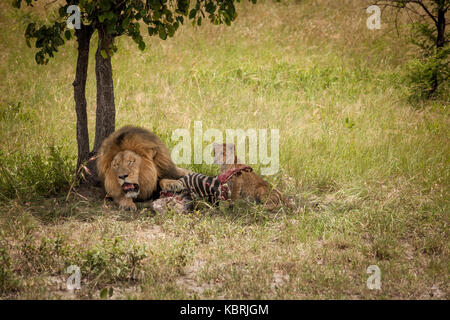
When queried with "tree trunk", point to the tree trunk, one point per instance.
{"points": [[106, 111], [440, 42], [79, 87]]}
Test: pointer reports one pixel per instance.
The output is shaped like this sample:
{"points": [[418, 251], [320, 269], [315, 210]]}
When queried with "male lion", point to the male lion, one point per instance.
{"points": [[132, 162]]}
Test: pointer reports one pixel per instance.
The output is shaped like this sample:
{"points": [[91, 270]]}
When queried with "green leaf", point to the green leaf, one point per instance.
{"points": [[162, 33], [89, 7], [170, 30], [168, 15], [182, 6], [111, 28], [30, 29], [192, 14], [104, 293], [58, 41], [39, 58], [210, 7], [105, 5], [103, 54], [110, 15], [111, 291], [67, 34], [107, 16], [125, 23]]}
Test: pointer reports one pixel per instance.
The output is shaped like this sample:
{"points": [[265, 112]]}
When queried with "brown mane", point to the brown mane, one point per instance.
{"points": [[156, 161]]}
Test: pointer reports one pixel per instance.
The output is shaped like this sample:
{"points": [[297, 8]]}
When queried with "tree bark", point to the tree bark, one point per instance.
{"points": [[79, 87], [106, 111], [440, 42]]}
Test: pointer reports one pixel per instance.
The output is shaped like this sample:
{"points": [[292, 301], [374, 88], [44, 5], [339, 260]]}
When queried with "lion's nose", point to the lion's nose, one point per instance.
{"points": [[123, 177]]}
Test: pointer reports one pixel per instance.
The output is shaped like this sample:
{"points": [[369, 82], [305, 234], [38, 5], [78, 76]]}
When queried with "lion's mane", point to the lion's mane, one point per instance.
{"points": [[156, 161]]}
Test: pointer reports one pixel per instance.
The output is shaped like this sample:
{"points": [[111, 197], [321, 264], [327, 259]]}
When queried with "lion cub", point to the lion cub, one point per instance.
{"points": [[247, 185]]}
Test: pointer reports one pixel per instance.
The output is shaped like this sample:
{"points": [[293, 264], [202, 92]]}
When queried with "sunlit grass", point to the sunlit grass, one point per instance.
{"points": [[373, 168]]}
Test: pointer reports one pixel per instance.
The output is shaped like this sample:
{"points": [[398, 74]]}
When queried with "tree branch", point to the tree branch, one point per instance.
{"points": [[399, 4], [420, 3]]}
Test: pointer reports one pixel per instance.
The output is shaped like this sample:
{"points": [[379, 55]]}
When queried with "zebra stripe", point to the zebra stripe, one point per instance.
{"points": [[203, 186]]}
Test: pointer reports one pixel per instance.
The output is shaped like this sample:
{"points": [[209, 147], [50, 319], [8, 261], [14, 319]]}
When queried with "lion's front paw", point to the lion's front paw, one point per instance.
{"points": [[127, 204], [172, 185]]}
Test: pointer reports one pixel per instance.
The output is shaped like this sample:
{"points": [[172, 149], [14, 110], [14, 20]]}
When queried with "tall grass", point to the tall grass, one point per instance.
{"points": [[25, 175], [374, 167]]}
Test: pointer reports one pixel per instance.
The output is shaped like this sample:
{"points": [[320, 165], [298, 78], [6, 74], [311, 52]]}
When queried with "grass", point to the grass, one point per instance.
{"points": [[370, 169]]}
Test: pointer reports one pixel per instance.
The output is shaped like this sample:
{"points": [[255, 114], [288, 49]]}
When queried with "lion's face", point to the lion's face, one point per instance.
{"points": [[125, 165]]}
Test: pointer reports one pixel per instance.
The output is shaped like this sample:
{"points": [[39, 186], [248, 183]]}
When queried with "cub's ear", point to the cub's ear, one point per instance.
{"points": [[230, 153], [229, 147], [218, 153], [218, 147]]}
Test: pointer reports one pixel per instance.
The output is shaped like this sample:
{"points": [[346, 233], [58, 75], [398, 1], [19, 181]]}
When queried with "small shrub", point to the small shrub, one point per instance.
{"points": [[13, 112], [426, 74], [421, 74], [8, 280], [111, 261], [47, 256], [40, 174], [107, 263]]}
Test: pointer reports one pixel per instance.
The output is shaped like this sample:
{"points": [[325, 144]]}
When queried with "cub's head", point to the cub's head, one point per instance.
{"points": [[125, 165], [224, 153]]}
